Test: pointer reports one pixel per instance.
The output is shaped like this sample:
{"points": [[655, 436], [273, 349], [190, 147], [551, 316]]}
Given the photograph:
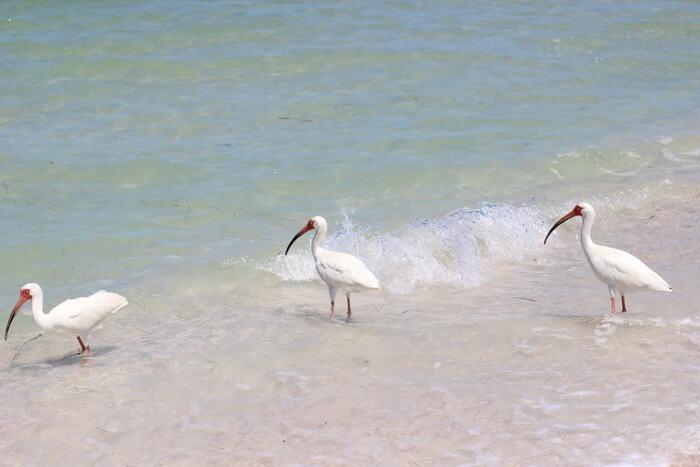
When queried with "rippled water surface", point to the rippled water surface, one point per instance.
{"points": [[168, 150]]}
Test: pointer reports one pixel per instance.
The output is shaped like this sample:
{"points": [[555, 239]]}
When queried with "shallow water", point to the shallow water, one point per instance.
{"points": [[526, 365], [169, 150]]}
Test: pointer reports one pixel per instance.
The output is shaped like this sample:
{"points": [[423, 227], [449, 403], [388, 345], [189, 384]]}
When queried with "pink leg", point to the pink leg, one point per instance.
{"points": [[83, 348], [332, 309], [624, 307], [349, 311], [612, 304]]}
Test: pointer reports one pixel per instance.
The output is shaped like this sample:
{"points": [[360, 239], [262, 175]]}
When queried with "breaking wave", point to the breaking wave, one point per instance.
{"points": [[447, 251]]}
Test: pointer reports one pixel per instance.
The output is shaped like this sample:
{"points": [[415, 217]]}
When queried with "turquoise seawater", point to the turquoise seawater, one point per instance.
{"points": [[141, 135]]}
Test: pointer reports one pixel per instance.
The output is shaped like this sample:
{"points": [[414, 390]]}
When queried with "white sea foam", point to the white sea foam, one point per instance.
{"points": [[692, 152], [619, 174], [556, 172], [669, 155], [446, 251]]}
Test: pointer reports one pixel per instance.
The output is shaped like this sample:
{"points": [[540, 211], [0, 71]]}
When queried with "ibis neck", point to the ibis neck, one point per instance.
{"points": [[586, 227], [319, 237], [42, 320]]}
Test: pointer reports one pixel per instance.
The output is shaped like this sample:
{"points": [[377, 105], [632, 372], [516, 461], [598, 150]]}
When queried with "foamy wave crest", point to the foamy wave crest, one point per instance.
{"points": [[449, 251]]}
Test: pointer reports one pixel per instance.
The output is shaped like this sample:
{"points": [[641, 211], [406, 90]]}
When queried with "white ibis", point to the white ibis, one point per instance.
{"points": [[76, 317], [340, 271], [619, 270]]}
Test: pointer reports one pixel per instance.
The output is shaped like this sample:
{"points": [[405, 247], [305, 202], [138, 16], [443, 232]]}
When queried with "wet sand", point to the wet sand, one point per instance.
{"points": [[526, 366]]}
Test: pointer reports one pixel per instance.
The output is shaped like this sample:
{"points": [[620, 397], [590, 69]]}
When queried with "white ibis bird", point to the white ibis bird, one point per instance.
{"points": [[76, 317], [619, 270], [340, 271]]}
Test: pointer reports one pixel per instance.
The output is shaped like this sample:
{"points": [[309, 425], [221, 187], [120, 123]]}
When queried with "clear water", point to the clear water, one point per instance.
{"points": [[169, 150]]}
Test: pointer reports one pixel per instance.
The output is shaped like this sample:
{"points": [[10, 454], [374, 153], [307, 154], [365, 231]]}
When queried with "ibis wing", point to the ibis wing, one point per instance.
{"points": [[342, 268], [85, 313], [629, 270]]}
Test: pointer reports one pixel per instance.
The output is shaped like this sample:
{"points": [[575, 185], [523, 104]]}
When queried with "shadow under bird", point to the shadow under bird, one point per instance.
{"points": [[340, 271], [619, 270], [77, 317]]}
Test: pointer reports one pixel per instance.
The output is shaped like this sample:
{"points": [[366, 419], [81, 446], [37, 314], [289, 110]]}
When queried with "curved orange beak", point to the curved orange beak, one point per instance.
{"points": [[309, 226], [574, 212], [24, 296]]}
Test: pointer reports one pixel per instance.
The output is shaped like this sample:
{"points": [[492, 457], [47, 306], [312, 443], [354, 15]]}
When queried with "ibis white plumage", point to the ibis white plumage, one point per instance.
{"points": [[619, 270], [340, 271], [76, 317]]}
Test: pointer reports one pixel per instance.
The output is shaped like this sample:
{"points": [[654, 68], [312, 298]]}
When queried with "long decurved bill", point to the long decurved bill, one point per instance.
{"points": [[306, 228], [22, 298], [573, 213]]}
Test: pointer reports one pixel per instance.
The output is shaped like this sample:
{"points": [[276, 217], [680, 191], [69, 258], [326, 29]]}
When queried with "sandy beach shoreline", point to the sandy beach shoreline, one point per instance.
{"points": [[528, 364]]}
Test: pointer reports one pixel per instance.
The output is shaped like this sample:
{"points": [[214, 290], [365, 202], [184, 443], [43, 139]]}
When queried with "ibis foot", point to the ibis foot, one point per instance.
{"points": [[84, 349]]}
